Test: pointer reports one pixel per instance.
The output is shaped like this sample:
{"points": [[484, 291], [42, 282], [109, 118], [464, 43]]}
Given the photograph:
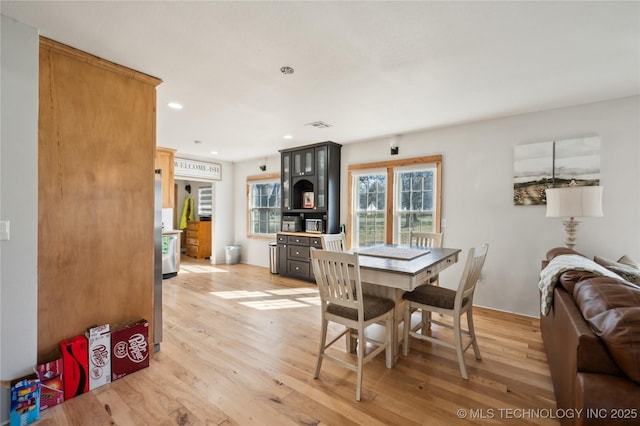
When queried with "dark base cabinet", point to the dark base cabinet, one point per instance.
{"points": [[294, 252]]}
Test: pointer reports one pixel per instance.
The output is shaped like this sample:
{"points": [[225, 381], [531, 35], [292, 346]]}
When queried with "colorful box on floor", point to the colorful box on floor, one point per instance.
{"points": [[129, 348], [51, 386], [76, 366], [25, 400], [99, 356]]}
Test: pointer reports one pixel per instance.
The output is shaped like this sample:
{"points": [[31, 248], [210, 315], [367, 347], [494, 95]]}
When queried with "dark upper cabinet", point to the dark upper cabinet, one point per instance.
{"points": [[303, 164], [311, 183]]}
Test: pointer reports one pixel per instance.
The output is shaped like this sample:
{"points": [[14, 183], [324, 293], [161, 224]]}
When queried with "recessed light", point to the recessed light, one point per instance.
{"points": [[288, 137], [174, 105], [214, 152]]}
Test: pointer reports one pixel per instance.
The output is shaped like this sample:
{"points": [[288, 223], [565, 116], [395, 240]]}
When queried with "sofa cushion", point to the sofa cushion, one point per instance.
{"points": [[626, 260], [612, 309], [569, 279], [557, 251], [625, 270]]}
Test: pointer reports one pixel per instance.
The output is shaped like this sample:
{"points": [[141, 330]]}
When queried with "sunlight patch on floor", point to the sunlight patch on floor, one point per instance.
{"points": [[239, 294], [310, 300], [199, 269], [273, 304], [280, 298], [292, 291]]}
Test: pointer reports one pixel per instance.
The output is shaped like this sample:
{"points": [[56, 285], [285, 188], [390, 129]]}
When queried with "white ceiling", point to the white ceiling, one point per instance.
{"points": [[370, 69]]}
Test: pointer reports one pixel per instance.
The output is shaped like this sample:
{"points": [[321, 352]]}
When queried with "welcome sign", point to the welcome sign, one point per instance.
{"points": [[183, 167]]}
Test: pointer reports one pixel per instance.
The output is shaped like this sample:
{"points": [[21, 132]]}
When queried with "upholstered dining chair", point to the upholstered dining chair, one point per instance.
{"points": [[449, 302], [342, 301], [423, 240], [333, 242]]}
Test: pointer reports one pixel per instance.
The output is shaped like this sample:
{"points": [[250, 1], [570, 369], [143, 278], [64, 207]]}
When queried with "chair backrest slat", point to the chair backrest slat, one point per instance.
{"points": [[333, 242], [338, 278], [471, 274], [425, 239]]}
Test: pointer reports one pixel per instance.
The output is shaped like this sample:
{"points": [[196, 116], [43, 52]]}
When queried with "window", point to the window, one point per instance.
{"points": [[205, 201], [414, 206], [369, 210], [390, 199], [264, 205]]}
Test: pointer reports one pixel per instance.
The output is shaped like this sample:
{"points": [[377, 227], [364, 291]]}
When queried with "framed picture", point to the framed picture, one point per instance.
{"points": [[307, 200], [554, 164]]}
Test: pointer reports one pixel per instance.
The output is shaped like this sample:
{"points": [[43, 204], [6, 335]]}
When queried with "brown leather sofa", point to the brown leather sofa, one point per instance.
{"points": [[594, 362]]}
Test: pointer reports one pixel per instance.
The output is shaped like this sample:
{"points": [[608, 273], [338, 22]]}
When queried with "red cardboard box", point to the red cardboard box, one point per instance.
{"points": [[51, 386], [99, 356], [129, 348], [76, 366]]}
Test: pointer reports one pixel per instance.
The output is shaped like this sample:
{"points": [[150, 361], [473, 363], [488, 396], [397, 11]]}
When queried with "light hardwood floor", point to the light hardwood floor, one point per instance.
{"points": [[240, 348]]}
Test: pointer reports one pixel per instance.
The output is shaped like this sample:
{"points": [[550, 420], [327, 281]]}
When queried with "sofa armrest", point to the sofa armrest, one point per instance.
{"points": [[606, 400], [571, 347]]}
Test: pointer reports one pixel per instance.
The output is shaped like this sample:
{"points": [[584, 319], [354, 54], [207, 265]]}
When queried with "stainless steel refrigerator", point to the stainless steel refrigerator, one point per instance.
{"points": [[157, 257]]}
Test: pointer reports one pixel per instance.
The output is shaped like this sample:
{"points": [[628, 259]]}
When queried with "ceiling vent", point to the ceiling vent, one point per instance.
{"points": [[319, 124]]}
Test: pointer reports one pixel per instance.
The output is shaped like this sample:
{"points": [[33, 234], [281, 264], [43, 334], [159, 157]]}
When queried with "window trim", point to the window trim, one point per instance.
{"points": [[270, 177], [390, 167]]}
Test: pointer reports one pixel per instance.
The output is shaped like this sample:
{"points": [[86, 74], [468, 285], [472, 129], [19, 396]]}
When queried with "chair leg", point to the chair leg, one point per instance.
{"points": [[323, 341], [458, 338], [426, 321], [472, 334], [389, 352], [361, 349], [406, 328]]}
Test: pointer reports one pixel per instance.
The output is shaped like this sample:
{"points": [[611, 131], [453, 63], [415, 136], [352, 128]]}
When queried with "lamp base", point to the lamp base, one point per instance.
{"points": [[570, 227]]}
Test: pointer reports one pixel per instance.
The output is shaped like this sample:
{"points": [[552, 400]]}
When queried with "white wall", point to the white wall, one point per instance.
{"points": [[18, 202], [254, 251], [223, 212], [478, 194]]}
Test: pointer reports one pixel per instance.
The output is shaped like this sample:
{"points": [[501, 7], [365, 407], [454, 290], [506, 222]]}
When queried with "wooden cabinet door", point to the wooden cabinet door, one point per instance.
{"points": [[164, 162]]}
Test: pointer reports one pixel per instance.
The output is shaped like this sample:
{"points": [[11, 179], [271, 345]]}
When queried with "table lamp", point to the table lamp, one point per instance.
{"points": [[571, 202]]}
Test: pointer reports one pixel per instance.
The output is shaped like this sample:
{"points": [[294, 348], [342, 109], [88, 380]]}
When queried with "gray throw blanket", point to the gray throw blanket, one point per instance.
{"points": [[557, 266]]}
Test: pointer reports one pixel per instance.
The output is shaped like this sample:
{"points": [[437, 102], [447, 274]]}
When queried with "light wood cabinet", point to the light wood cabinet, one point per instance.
{"points": [[96, 143], [164, 162], [199, 239]]}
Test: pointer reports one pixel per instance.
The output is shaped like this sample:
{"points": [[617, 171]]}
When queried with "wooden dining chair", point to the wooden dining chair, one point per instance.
{"points": [[449, 302], [333, 242], [425, 239], [342, 301]]}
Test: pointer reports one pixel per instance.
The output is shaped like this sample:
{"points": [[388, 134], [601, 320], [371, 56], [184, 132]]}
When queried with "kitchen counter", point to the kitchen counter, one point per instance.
{"points": [[301, 234]]}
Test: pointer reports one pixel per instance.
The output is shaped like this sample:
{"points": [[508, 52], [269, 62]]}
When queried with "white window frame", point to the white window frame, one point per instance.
{"points": [[397, 208], [356, 212], [259, 180], [392, 228]]}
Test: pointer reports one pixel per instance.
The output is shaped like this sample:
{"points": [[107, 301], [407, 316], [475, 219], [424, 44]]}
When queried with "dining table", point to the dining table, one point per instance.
{"points": [[390, 270]]}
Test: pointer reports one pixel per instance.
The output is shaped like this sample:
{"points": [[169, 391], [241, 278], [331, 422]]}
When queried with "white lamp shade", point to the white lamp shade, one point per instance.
{"points": [[574, 201]]}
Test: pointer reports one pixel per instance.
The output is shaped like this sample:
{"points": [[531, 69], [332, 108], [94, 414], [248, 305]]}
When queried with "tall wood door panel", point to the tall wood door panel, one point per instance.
{"points": [[96, 148], [164, 162]]}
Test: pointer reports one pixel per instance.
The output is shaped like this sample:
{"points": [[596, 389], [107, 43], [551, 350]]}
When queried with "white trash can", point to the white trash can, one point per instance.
{"points": [[232, 254]]}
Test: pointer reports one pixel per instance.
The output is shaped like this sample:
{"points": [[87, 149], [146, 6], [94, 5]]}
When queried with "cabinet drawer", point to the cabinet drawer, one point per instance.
{"points": [[192, 234], [298, 252], [316, 242], [300, 269], [193, 225], [192, 251], [192, 241], [282, 239], [300, 241]]}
